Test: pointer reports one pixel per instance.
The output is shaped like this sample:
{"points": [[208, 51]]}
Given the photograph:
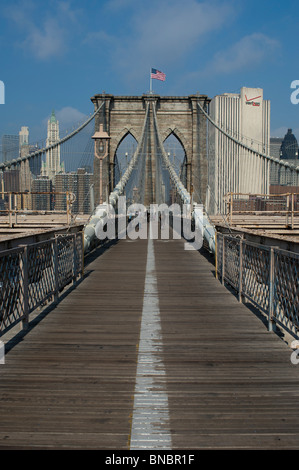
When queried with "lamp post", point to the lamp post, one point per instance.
{"points": [[101, 139]]}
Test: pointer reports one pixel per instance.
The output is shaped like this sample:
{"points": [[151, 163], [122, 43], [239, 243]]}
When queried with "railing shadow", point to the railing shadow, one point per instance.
{"points": [[19, 336], [261, 316]]}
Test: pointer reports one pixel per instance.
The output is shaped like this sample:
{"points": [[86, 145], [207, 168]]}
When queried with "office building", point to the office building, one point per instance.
{"points": [[42, 202], [80, 185], [24, 138], [289, 147], [64, 183], [10, 147], [231, 168], [84, 195], [11, 180], [285, 149], [52, 166], [275, 145], [35, 163]]}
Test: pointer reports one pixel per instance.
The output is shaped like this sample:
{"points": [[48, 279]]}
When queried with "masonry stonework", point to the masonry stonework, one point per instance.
{"points": [[123, 115]]}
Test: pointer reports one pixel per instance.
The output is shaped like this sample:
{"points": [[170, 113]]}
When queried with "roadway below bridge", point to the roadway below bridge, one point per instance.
{"points": [[149, 351]]}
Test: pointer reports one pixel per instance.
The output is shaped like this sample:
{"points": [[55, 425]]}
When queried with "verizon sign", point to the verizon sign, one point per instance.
{"points": [[251, 108], [252, 101]]}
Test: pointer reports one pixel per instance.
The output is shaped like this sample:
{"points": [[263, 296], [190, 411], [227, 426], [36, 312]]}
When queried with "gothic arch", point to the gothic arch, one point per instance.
{"points": [[179, 135], [177, 115], [116, 141]]}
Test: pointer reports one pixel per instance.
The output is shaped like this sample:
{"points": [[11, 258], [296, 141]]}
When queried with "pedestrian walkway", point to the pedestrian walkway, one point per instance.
{"points": [[149, 351]]}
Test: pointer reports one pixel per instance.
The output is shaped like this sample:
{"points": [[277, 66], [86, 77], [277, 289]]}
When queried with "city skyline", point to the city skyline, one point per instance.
{"points": [[212, 47]]}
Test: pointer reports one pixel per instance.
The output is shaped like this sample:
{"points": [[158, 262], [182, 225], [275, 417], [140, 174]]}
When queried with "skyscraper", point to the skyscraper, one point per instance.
{"points": [[275, 145], [289, 147], [10, 147], [285, 149], [24, 136], [42, 201], [246, 117], [52, 166], [79, 184]]}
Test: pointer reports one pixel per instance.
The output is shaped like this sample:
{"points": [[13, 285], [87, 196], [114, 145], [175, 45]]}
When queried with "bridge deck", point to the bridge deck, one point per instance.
{"points": [[155, 354]]}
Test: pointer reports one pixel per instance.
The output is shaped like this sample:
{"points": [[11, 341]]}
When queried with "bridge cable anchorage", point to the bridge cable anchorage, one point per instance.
{"points": [[198, 211], [102, 210], [40, 152]]}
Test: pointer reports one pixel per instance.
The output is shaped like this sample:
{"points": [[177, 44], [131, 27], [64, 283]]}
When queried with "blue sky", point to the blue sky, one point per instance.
{"points": [[57, 54]]}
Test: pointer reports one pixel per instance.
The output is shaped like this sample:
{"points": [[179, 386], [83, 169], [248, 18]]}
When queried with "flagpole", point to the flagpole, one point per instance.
{"points": [[150, 80]]}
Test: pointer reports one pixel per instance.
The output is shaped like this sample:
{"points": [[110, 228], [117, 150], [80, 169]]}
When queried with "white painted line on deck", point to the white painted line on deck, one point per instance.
{"points": [[150, 420], [2, 353]]}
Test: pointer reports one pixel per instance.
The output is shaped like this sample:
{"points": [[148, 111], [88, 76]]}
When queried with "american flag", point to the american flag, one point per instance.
{"points": [[158, 75]]}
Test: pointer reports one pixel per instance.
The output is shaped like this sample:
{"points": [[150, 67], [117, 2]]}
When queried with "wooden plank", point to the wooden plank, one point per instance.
{"points": [[69, 384], [230, 382]]}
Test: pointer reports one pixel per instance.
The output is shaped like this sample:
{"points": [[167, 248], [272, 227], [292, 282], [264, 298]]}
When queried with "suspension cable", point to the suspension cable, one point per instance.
{"points": [[50, 147], [238, 142], [102, 210], [184, 194], [119, 188]]}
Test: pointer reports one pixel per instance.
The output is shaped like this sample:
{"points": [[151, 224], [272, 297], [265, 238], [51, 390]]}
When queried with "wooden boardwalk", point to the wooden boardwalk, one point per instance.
{"points": [[220, 379]]}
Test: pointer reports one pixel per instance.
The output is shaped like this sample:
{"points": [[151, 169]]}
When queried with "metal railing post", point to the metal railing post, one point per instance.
{"points": [[240, 270], [55, 266], [216, 256], [271, 291], [25, 286], [10, 210], [223, 260], [82, 254], [68, 208], [292, 214], [74, 259], [287, 209]]}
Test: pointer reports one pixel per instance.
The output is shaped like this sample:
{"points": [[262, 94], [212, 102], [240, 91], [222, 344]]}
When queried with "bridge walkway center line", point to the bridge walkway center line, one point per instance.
{"points": [[150, 421], [218, 377]]}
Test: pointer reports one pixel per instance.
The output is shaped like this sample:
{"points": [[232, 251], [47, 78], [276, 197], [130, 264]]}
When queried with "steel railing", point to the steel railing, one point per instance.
{"points": [[266, 276], [27, 203], [283, 205], [33, 275]]}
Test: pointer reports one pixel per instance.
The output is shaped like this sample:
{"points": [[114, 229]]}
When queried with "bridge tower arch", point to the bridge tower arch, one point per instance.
{"points": [[179, 115]]}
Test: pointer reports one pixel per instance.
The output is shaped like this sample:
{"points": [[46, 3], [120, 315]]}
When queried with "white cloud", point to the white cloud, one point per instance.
{"points": [[173, 27], [96, 37], [68, 115], [250, 51], [46, 42], [159, 33], [68, 118], [47, 37]]}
